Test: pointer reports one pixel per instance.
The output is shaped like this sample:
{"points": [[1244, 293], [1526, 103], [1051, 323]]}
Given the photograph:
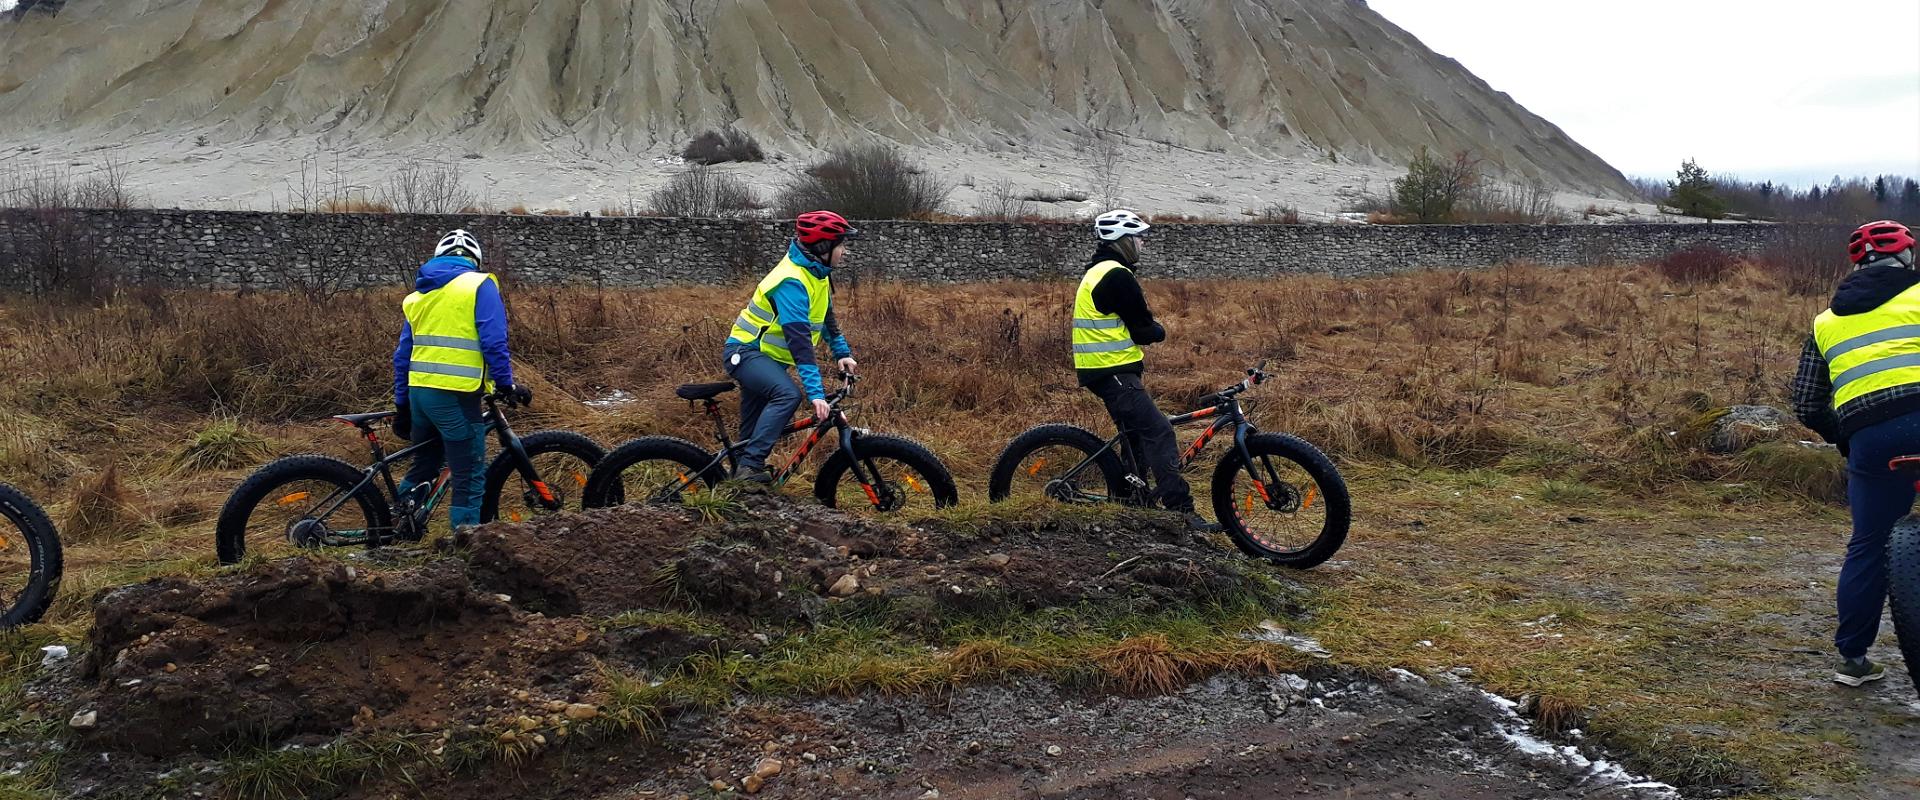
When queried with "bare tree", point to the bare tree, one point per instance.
{"points": [[1103, 169]]}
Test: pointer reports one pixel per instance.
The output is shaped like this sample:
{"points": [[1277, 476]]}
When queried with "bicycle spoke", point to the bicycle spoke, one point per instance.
{"points": [[1043, 475], [565, 476], [1283, 509]]}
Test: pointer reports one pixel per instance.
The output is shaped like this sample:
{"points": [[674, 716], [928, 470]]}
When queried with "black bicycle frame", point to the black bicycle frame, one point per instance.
{"points": [[835, 421], [1226, 413], [494, 422]]}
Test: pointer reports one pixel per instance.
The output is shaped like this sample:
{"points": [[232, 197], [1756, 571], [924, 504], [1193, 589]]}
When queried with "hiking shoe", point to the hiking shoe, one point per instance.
{"points": [[1199, 524], [1858, 672], [758, 475]]}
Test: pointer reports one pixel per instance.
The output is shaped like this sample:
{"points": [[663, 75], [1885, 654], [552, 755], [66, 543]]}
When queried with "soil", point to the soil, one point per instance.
{"points": [[505, 630]]}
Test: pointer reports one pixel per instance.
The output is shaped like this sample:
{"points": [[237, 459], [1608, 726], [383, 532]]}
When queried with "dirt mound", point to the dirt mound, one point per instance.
{"points": [[781, 562], [305, 647]]}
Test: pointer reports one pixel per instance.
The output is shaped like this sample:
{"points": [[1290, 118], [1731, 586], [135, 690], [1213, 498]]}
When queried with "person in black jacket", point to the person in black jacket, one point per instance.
{"points": [[1111, 323], [1858, 386]]}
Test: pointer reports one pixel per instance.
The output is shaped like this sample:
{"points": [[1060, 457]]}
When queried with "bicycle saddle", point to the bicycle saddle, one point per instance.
{"points": [[703, 391], [362, 420]]}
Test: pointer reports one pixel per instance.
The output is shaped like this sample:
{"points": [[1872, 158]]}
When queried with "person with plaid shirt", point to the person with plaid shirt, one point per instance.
{"points": [[1858, 386]]}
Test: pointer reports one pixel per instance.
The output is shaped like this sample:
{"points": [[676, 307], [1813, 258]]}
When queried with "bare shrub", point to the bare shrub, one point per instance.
{"points": [[722, 146], [1055, 196], [54, 252], [874, 181], [705, 192], [103, 511], [426, 187], [1529, 203], [1000, 203], [1275, 214], [1806, 259], [1697, 266]]}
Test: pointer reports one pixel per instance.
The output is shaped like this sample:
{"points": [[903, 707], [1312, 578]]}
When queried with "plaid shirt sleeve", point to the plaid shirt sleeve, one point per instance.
{"points": [[1813, 394]]}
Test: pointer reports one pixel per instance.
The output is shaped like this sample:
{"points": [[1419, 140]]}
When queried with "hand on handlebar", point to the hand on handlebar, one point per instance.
{"points": [[821, 410], [514, 394], [849, 367]]}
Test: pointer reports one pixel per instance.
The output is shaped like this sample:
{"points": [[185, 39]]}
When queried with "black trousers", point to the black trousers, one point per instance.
{"points": [[1149, 435]]}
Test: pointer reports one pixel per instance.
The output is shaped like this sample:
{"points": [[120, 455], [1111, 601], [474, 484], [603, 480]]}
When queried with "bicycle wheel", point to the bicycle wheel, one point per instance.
{"points": [[563, 460], [1903, 591], [912, 477], [1296, 515], [1035, 466], [29, 559], [650, 469], [282, 499]]}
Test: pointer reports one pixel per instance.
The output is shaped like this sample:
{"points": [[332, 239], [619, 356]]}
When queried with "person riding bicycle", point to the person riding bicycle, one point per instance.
{"points": [[1858, 386], [452, 352], [790, 312], [1111, 323]]}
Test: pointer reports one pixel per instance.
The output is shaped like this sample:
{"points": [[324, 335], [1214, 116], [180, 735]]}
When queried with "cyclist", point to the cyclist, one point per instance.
{"points": [[453, 350], [790, 312], [1111, 322], [1858, 386]]}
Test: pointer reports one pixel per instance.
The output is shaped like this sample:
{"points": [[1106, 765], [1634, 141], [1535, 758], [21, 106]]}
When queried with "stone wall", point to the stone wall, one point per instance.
{"points": [[274, 250]]}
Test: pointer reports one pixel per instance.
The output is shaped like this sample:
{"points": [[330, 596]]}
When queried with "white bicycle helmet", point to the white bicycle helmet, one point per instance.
{"points": [[458, 243], [1119, 224]]}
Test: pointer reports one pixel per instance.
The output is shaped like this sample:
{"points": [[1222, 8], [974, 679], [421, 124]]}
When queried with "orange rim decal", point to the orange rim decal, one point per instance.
{"points": [[1249, 503], [5, 543], [580, 479], [1307, 503], [293, 498], [515, 516], [1035, 469], [913, 483]]}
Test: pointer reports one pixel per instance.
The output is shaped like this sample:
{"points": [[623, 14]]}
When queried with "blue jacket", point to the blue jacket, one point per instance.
{"points": [[791, 306], [489, 314]]}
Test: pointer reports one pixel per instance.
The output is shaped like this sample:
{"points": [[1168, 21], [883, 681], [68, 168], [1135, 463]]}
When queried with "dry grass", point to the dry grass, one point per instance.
{"points": [[1480, 405]]}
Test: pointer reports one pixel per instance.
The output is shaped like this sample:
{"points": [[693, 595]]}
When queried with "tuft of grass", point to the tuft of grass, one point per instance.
{"points": [[1568, 493], [103, 511], [1816, 474], [285, 773], [225, 444]]}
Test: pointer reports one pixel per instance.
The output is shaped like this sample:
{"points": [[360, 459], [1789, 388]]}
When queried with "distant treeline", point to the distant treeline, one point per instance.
{"points": [[1842, 200]]}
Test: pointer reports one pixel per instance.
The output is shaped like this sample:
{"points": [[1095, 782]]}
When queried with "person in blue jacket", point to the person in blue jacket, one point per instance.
{"points": [[452, 352], [790, 313]]}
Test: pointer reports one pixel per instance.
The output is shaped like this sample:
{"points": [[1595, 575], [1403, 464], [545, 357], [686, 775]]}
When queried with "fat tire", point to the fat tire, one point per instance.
{"points": [[230, 533], [915, 455], [503, 469], [1000, 481], [1903, 591], [43, 556], [604, 487], [1333, 489]]}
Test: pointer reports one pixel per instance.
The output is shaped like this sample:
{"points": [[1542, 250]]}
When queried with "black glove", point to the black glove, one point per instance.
{"points": [[517, 395], [403, 421]]}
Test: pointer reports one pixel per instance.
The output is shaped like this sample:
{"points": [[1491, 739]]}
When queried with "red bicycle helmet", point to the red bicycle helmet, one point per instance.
{"points": [[1885, 237], [823, 226]]}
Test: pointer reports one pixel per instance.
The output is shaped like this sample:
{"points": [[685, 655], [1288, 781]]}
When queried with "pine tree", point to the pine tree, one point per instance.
{"points": [[1692, 192]]}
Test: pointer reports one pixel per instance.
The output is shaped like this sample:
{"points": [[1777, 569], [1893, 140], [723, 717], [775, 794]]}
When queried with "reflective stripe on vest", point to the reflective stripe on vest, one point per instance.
{"points": [[758, 322], [1100, 340], [1874, 351], [446, 338]]}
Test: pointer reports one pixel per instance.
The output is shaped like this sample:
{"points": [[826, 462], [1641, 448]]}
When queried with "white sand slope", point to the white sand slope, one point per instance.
{"points": [[571, 84]]}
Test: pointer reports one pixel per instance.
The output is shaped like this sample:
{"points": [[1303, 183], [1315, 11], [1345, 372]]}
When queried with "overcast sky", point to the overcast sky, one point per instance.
{"points": [[1766, 89]]}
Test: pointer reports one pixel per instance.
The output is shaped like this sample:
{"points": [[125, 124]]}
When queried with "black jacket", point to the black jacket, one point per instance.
{"points": [[1863, 291], [1118, 293]]}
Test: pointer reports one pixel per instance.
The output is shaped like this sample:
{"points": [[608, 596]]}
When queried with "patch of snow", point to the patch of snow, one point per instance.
{"points": [[1405, 676], [1518, 732], [55, 653], [613, 399], [1271, 631]]}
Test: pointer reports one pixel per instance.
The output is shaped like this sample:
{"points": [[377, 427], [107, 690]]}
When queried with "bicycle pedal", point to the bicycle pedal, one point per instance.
{"points": [[1136, 481]]}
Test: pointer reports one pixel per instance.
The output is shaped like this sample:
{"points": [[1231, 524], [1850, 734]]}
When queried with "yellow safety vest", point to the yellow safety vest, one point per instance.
{"points": [[759, 319], [1100, 340], [1874, 351], [446, 339]]}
